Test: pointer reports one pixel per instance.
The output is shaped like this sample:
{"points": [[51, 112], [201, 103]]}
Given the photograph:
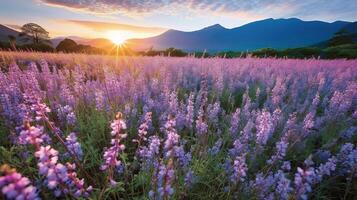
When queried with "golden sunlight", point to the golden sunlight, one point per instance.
{"points": [[116, 37]]}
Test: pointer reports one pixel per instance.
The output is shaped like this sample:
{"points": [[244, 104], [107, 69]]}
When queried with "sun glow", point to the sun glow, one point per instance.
{"points": [[116, 37]]}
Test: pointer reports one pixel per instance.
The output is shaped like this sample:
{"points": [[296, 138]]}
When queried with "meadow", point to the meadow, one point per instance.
{"points": [[100, 127]]}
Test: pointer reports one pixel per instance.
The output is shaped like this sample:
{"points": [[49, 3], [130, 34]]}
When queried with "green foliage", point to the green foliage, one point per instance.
{"points": [[70, 46], [305, 52], [268, 52], [340, 38], [174, 52]]}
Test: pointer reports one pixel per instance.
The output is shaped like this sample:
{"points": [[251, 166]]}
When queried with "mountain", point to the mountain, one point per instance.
{"points": [[351, 28], [350, 31], [5, 32], [273, 33]]}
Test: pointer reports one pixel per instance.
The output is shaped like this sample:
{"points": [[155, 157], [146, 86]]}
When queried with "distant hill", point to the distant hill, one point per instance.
{"points": [[272, 33], [5, 32], [351, 28], [97, 42]]}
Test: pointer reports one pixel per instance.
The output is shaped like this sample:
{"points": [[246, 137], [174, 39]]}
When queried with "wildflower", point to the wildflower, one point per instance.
{"points": [[308, 122], [214, 113], [165, 180], [183, 158], [143, 128], [216, 148], [240, 169], [111, 154], [326, 169], [265, 127], [190, 111], [150, 153], [14, 186], [99, 100], [349, 133], [172, 138], [347, 160], [33, 135], [66, 114], [234, 123], [78, 188], [303, 182], [189, 179], [74, 146], [283, 188], [286, 166], [201, 126], [281, 148]]}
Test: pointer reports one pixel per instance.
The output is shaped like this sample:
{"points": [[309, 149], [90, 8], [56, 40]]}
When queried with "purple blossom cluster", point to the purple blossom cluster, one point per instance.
{"points": [[240, 169], [15, 186], [66, 114], [265, 127], [74, 146], [111, 162]]}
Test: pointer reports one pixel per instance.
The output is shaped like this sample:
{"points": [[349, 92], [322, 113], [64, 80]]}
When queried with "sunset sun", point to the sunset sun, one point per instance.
{"points": [[116, 37]]}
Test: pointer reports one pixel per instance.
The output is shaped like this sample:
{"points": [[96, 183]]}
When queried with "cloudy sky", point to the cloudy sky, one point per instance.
{"points": [[139, 18]]}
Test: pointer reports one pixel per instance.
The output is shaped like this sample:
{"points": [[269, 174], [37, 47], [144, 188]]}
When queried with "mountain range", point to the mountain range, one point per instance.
{"points": [[268, 33], [272, 33]]}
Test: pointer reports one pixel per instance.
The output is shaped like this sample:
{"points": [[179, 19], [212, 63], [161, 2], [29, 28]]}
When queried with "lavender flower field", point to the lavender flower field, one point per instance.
{"points": [[76, 126]]}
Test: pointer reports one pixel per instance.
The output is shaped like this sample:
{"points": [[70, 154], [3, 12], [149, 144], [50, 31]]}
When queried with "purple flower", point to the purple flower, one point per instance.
{"points": [[190, 111], [14, 186], [308, 122], [238, 148], [326, 169], [111, 154], [32, 135], [172, 138], [283, 188], [78, 187], [143, 128], [214, 113], [286, 166], [201, 126], [265, 127], [183, 158], [347, 160], [216, 148], [74, 146], [66, 114], [303, 182], [234, 123], [165, 179], [349, 133], [149, 154], [240, 169], [100, 102], [281, 148], [55, 173], [189, 179]]}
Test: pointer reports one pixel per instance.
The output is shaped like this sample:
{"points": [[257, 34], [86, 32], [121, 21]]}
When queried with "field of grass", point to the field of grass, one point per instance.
{"points": [[99, 127]]}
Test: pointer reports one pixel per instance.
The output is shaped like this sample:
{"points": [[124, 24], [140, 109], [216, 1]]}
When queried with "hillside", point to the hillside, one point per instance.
{"points": [[5, 32], [272, 33]]}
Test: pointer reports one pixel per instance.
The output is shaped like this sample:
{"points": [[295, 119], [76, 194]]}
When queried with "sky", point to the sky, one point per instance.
{"points": [[145, 18]]}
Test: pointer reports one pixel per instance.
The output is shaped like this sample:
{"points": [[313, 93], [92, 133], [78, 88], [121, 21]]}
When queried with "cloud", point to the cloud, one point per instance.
{"points": [[270, 8], [105, 26]]}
